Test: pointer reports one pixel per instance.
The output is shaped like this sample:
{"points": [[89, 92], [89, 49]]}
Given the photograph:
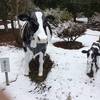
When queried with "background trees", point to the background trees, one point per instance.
{"points": [[4, 9], [61, 15], [9, 9], [88, 7]]}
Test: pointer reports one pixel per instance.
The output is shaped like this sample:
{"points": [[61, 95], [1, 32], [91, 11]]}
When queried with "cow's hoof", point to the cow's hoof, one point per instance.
{"points": [[40, 74], [25, 49], [90, 75], [97, 69]]}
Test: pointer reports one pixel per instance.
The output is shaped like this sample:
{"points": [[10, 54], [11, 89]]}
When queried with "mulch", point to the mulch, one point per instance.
{"points": [[10, 37], [34, 67], [68, 45]]}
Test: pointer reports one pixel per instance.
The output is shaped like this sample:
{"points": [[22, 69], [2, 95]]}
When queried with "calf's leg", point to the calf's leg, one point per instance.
{"points": [[24, 47], [91, 73], [41, 61], [96, 66]]}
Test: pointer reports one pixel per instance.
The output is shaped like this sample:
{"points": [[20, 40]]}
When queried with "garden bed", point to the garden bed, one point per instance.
{"points": [[68, 45], [10, 37], [34, 66]]}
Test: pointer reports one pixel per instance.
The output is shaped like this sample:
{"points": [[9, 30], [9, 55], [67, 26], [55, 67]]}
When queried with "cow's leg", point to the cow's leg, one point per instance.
{"points": [[96, 66], [41, 61], [97, 63], [24, 47], [26, 64], [28, 58], [88, 67], [91, 73]]}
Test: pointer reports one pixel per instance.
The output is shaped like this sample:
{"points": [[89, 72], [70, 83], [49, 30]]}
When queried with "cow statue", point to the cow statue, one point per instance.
{"points": [[93, 57], [36, 34]]}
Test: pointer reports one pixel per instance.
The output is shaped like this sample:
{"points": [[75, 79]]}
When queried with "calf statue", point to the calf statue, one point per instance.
{"points": [[93, 58], [36, 34]]}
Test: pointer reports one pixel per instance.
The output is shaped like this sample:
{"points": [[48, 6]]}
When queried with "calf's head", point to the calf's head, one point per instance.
{"points": [[92, 54], [37, 23]]}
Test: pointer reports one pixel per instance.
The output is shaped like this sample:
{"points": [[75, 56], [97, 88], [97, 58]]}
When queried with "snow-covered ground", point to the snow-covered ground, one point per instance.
{"points": [[15, 24], [85, 20], [66, 79]]}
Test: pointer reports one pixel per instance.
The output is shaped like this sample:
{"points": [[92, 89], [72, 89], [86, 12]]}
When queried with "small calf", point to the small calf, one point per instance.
{"points": [[93, 56]]}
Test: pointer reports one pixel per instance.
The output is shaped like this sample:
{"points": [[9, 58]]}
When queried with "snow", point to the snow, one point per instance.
{"points": [[67, 76], [85, 20], [1, 26], [15, 24], [89, 38]]}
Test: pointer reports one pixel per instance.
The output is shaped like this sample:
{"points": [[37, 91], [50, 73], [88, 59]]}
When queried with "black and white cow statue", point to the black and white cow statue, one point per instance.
{"points": [[36, 34], [93, 59]]}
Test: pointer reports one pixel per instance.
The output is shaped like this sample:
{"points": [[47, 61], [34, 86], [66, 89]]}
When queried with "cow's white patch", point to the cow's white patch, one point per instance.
{"points": [[41, 61], [34, 42], [89, 60], [28, 58], [94, 46], [48, 34], [41, 32]]}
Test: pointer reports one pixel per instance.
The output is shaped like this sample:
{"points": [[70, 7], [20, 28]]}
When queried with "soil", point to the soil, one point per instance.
{"points": [[34, 66], [10, 37], [68, 45]]}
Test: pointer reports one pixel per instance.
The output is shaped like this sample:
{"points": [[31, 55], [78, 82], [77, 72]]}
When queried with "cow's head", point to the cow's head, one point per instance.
{"points": [[92, 62], [37, 22], [92, 53]]}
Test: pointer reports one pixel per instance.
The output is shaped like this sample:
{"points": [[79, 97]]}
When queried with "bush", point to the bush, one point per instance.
{"points": [[60, 15], [71, 32]]}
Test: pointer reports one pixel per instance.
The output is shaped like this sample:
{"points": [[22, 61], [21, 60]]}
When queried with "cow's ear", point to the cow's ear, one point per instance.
{"points": [[84, 51], [24, 17], [50, 18], [98, 54]]}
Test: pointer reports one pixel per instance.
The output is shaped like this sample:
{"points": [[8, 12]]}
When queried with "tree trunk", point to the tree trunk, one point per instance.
{"points": [[5, 25], [19, 26], [89, 20], [12, 25], [74, 17], [18, 38]]}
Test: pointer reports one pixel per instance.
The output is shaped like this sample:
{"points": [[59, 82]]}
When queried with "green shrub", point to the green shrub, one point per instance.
{"points": [[72, 32], [60, 15]]}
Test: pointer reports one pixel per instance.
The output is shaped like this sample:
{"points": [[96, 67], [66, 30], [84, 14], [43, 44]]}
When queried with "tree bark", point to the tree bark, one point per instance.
{"points": [[5, 25], [12, 25], [74, 17]]}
